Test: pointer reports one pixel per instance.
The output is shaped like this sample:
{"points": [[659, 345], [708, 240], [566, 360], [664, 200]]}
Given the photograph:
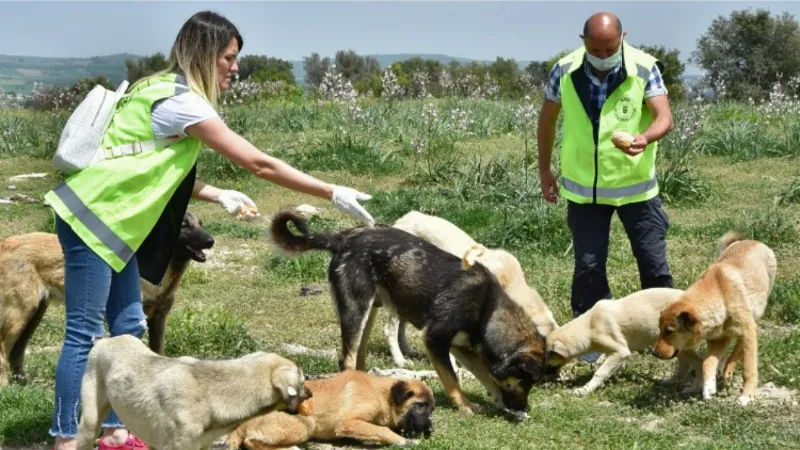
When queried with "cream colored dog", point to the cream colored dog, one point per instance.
{"points": [[616, 328], [722, 306], [502, 264], [181, 403]]}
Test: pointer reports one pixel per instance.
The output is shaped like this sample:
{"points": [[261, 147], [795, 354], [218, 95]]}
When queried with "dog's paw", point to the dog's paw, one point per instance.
{"points": [[470, 408], [744, 400], [410, 443], [402, 363], [709, 388], [581, 391]]}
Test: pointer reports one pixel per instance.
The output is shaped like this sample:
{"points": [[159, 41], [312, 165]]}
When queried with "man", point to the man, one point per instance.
{"points": [[605, 86]]}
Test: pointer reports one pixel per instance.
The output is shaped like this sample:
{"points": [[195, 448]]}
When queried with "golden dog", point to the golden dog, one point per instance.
{"points": [[32, 275], [351, 405], [723, 305]]}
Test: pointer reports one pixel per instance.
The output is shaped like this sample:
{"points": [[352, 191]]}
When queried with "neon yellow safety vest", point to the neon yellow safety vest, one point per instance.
{"points": [[593, 169], [114, 205]]}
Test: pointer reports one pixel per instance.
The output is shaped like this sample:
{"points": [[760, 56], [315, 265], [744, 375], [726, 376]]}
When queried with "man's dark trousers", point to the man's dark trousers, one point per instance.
{"points": [[646, 225]]}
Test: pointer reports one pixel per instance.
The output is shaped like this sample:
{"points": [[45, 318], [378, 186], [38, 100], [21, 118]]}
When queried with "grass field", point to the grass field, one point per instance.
{"points": [[725, 166]]}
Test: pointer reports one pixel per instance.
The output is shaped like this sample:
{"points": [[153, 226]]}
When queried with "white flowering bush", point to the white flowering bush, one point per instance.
{"points": [[390, 87], [10, 101]]}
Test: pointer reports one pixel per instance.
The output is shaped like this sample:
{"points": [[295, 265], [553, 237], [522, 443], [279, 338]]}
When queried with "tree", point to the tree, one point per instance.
{"points": [[538, 70], [355, 67], [673, 68], [505, 72], [413, 71], [315, 67], [262, 68], [145, 66], [373, 66], [750, 51]]}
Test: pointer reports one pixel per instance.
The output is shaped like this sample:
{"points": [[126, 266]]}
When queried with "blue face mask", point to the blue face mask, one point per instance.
{"points": [[605, 64]]}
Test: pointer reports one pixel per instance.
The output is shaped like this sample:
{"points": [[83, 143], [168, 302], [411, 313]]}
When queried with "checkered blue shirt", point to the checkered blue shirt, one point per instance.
{"points": [[599, 89]]}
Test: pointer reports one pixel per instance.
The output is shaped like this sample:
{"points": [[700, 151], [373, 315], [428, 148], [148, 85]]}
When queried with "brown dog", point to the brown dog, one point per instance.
{"points": [[351, 405], [723, 305], [32, 275]]}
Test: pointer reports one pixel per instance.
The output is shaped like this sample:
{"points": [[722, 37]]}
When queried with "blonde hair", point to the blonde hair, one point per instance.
{"points": [[196, 49]]}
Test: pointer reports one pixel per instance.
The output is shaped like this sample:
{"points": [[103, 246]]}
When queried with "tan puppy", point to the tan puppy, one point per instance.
{"points": [[616, 328], [32, 276], [503, 265], [351, 405], [723, 305], [181, 403]]}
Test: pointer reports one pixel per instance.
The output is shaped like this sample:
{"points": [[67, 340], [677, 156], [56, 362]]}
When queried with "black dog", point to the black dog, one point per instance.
{"points": [[463, 312]]}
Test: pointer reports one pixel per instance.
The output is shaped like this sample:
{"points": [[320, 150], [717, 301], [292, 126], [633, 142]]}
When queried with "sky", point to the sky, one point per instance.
{"points": [[532, 30]]}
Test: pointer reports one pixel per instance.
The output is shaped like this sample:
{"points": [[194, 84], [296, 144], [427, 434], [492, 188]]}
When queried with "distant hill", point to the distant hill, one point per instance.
{"points": [[18, 73]]}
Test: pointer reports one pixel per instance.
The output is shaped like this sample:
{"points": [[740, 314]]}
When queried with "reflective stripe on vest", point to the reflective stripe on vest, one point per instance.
{"points": [[90, 220], [627, 191]]}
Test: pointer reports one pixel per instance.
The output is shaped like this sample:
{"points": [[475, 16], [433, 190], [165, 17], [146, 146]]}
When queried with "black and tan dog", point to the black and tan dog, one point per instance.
{"points": [[352, 405], [463, 312], [32, 275]]}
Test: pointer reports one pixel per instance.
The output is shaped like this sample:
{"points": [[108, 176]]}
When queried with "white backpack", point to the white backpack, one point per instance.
{"points": [[81, 140]]}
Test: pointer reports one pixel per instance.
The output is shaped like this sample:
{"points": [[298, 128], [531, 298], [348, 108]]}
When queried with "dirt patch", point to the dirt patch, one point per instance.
{"points": [[769, 392], [238, 259], [295, 349]]}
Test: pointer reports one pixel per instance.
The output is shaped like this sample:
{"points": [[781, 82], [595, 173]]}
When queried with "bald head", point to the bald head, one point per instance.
{"points": [[602, 35], [602, 24]]}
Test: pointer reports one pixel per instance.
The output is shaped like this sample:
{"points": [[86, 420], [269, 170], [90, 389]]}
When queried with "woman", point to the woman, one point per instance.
{"points": [[118, 219]]}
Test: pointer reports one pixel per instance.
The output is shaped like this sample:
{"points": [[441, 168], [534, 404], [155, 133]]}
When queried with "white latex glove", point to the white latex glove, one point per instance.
{"points": [[234, 202], [346, 200]]}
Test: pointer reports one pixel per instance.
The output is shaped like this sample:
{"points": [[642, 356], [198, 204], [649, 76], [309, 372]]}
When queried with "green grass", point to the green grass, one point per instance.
{"points": [[246, 296]]}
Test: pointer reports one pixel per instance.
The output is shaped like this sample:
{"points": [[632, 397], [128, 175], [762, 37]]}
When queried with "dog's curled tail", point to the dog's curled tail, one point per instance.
{"points": [[729, 238], [289, 242], [472, 255]]}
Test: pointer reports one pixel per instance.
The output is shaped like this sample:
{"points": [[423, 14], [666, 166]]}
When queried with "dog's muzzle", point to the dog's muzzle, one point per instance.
{"points": [[417, 423], [659, 355]]}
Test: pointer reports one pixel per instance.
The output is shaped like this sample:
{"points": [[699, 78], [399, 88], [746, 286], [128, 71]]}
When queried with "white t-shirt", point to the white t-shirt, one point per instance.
{"points": [[171, 116]]}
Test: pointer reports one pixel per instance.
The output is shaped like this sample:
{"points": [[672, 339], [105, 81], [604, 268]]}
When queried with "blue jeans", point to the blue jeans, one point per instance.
{"points": [[93, 292]]}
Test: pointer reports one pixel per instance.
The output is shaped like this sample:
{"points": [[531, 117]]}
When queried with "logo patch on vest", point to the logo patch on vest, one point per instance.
{"points": [[625, 109]]}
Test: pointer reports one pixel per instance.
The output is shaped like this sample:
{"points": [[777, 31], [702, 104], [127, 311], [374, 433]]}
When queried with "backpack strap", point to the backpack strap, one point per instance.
{"points": [[136, 148]]}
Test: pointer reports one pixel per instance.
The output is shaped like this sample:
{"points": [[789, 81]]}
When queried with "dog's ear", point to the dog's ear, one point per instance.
{"points": [[532, 367], [506, 368], [401, 392], [557, 350], [686, 320]]}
